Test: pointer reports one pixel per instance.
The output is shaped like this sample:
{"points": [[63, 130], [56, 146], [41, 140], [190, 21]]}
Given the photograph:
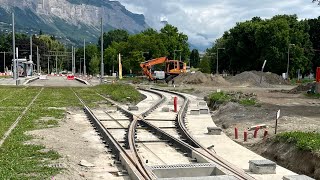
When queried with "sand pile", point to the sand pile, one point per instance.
{"points": [[201, 78], [253, 78]]}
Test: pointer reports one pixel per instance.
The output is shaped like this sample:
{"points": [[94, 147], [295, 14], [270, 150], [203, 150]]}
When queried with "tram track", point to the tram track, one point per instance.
{"points": [[127, 152]]}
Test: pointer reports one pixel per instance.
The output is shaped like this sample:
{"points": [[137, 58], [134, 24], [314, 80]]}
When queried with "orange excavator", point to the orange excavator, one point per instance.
{"points": [[172, 68]]}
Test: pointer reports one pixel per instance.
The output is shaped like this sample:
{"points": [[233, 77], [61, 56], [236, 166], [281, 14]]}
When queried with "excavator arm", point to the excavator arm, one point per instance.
{"points": [[146, 66]]}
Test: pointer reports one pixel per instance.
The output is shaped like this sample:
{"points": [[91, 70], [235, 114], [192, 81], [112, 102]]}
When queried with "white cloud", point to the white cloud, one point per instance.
{"points": [[205, 20]]}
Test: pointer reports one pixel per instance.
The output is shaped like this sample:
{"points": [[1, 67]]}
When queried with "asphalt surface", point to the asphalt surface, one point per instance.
{"points": [[56, 81]]}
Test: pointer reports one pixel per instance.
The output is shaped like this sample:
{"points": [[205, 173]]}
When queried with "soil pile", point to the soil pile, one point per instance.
{"points": [[253, 78], [288, 156], [201, 78], [302, 88]]}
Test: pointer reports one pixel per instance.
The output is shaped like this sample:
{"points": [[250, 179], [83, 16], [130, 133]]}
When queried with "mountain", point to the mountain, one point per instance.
{"points": [[69, 20]]}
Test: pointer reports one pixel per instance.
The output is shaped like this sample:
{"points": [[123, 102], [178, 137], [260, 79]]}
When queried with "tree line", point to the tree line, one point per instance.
{"points": [[134, 48], [246, 46]]}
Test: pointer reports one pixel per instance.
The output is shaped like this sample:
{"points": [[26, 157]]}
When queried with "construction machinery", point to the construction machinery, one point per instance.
{"points": [[172, 68]]}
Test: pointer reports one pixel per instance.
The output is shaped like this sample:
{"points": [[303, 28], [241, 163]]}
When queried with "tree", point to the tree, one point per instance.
{"points": [[205, 65], [173, 40], [249, 43], [194, 58], [315, 39], [94, 65], [118, 35]]}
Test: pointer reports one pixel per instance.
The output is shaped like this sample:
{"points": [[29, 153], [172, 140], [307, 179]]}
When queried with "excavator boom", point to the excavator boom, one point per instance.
{"points": [[172, 67], [146, 66]]}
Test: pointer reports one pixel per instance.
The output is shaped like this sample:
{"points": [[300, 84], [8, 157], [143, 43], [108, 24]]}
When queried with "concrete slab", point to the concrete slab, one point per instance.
{"points": [[57, 81], [222, 177], [186, 170], [214, 130], [297, 177], [160, 153], [224, 146], [262, 166]]}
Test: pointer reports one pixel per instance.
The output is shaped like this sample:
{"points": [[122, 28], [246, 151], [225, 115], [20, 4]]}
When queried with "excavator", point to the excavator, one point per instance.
{"points": [[172, 68]]}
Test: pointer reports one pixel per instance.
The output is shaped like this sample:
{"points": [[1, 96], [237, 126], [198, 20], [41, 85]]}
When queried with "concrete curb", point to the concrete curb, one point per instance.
{"points": [[31, 80], [82, 81]]}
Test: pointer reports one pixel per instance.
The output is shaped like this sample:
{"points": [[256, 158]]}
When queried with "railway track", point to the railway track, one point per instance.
{"points": [[126, 151], [15, 123]]}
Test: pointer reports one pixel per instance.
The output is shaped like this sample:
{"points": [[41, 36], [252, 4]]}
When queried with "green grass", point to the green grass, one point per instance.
{"points": [[308, 141], [301, 81], [219, 97], [6, 91], [19, 160], [20, 98], [3, 77], [57, 97], [317, 96], [248, 102], [119, 92]]}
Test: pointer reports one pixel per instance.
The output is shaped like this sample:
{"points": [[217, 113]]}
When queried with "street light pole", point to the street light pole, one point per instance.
{"points": [[288, 60], [84, 58], [217, 70], [102, 65], [14, 50]]}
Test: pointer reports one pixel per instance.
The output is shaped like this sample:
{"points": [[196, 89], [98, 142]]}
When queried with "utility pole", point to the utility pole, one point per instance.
{"points": [[38, 61], [102, 65], [57, 65], [4, 62], [48, 65], [84, 58], [30, 48], [14, 51]]}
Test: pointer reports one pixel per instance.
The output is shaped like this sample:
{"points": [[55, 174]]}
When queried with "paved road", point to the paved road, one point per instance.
{"points": [[10, 81], [56, 81]]}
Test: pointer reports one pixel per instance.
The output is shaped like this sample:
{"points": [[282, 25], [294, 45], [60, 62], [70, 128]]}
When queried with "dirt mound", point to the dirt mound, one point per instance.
{"points": [[288, 156], [200, 78], [253, 78], [302, 88]]}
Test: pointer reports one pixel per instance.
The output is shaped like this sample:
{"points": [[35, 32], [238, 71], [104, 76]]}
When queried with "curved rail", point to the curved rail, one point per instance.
{"points": [[113, 144], [141, 166], [241, 174]]}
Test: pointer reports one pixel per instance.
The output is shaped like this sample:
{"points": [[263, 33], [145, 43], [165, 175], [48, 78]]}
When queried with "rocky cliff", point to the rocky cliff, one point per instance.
{"points": [[71, 19]]}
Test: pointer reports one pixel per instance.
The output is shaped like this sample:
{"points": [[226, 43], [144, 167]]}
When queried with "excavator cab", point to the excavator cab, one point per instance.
{"points": [[172, 68], [175, 67]]}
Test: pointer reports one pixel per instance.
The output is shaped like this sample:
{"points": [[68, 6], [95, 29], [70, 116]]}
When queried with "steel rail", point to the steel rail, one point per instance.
{"points": [[131, 144], [111, 142], [192, 141]]}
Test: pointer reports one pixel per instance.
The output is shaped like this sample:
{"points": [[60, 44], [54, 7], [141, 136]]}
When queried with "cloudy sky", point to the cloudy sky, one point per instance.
{"points": [[205, 20]]}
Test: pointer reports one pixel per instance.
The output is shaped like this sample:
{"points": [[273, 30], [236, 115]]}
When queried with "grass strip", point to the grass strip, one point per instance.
{"points": [[309, 141]]}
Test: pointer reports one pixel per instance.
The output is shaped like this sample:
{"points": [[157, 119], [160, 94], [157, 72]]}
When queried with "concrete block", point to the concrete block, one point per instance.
{"points": [[262, 166], [222, 177], [182, 171], [297, 177], [194, 111], [214, 130], [204, 111], [202, 104], [43, 77], [165, 109], [170, 102], [133, 108]]}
